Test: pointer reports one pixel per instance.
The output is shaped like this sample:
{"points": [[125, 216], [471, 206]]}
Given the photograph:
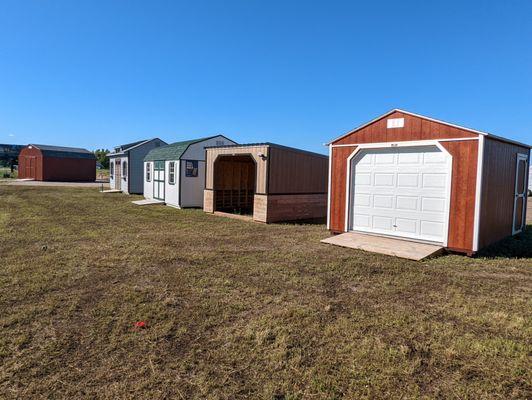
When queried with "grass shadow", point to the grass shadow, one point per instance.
{"points": [[518, 246]]}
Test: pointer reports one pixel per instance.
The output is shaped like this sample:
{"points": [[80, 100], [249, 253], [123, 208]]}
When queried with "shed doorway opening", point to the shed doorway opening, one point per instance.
{"points": [[234, 184]]}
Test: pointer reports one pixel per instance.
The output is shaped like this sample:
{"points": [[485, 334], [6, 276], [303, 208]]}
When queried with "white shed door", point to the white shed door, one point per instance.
{"points": [[401, 191]]}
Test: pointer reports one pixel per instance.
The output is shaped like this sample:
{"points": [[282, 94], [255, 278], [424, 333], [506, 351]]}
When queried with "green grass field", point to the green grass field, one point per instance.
{"points": [[7, 171], [239, 310]]}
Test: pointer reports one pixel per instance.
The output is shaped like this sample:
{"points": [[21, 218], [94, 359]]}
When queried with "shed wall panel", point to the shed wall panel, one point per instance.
{"points": [[69, 169], [463, 194], [498, 188], [296, 172]]}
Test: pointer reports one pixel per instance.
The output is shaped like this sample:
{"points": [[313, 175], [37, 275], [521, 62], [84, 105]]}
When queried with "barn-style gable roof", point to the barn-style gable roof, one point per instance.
{"points": [[397, 110], [124, 148], [63, 152], [173, 151]]}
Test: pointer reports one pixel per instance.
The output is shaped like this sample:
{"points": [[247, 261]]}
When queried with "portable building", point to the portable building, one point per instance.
{"points": [[267, 181], [55, 163], [175, 173], [126, 165], [412, 177]]}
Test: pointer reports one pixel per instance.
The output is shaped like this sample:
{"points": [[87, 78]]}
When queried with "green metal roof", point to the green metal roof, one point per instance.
{"points": [[172, 151]]}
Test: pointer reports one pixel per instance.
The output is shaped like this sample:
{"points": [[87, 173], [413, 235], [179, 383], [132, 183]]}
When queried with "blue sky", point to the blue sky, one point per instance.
{"points": [[99, 73]]}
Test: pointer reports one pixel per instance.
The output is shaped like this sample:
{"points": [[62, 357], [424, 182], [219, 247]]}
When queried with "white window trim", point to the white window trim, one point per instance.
{"points": [[419, 143], [171, 175], [148, 172]]}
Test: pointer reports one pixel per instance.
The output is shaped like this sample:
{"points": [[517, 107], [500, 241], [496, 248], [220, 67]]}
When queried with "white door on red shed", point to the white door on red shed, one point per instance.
{"points": [[401, 191]]}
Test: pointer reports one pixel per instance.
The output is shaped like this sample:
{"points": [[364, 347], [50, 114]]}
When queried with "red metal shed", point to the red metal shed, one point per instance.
{"points": [[55, 163], [409, 176]]}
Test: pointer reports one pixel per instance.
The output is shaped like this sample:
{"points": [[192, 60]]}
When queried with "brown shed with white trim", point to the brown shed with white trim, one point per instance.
{"points": [[413, 177], [271, 182]]}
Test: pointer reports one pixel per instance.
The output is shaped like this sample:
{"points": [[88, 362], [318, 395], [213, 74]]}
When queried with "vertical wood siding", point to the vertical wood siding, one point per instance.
{"points": [[463, 189], [415, 128], [292, 171], [463, 194], [338, 187], [498, 187]]}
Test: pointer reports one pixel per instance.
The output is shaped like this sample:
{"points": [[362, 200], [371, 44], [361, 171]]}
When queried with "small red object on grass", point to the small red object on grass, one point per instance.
{"points": [[140, 324]]}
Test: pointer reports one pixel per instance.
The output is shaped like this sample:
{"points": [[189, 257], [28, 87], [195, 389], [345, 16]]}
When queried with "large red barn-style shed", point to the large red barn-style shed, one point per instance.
{"points": [[408, 176], [56, 163]]}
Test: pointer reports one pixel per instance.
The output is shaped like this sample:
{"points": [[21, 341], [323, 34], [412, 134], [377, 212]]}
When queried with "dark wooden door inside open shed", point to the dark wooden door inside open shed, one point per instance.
{"points": [[234, 184]]}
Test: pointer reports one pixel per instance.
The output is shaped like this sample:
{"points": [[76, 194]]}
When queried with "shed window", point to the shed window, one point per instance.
{"points": [[112, 168], [171, 172], [148, 172], [191, 168], [124, 170]]}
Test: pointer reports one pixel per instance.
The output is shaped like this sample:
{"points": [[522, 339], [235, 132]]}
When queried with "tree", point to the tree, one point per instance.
{"points": [[101, 157]]}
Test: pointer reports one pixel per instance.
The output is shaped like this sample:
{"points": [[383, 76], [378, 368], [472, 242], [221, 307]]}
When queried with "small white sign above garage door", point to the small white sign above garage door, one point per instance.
{"points": [[401, 191]]}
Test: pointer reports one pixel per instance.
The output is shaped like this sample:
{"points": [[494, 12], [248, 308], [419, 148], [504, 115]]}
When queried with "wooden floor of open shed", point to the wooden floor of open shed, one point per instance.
{"points": [[238, 310]]}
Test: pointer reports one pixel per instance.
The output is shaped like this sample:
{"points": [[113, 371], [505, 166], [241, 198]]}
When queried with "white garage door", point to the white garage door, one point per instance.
{"points": [[401, 191]]}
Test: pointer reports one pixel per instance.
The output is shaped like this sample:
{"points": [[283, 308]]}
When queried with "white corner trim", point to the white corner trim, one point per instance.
{"points": [[407, 143], [329, 190], [478, 194], [520, 157]]}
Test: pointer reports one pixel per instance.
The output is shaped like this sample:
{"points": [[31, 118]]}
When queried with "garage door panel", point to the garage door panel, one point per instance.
{"points": [[384, 158], [431, 204], [408, 180], [401, 192], [362, 200], [434, 158], [434, 180], [432, 228], [409, 158], [362, 220], [382, 223], [406, 225], [383, 179], [406, 203], [380, 201]]}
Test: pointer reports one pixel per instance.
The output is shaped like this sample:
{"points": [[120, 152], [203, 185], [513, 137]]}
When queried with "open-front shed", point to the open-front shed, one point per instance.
{"points": [[267, 181], [412, 177]]}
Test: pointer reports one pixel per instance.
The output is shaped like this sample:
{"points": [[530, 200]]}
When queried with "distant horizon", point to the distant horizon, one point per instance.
{"points": [[103, 73]]}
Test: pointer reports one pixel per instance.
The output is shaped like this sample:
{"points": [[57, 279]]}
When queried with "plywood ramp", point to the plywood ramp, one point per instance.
{"points": [[147, 202], [384, 245]]}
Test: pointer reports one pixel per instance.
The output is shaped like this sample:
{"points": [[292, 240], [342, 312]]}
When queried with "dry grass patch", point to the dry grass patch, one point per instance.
{"points": [[243, 310]]}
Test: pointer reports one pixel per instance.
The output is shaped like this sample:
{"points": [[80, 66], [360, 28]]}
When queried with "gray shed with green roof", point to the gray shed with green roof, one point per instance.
{"points": [[175, 173]]}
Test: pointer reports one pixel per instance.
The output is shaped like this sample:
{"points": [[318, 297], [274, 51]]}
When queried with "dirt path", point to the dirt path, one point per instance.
{"points": [[16, 182]]}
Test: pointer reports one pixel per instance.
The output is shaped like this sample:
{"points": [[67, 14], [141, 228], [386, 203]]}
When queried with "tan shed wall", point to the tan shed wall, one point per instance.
{"points": [[261, 164], [208, 200], [498, 189], [292, 171], [291, 207]]}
